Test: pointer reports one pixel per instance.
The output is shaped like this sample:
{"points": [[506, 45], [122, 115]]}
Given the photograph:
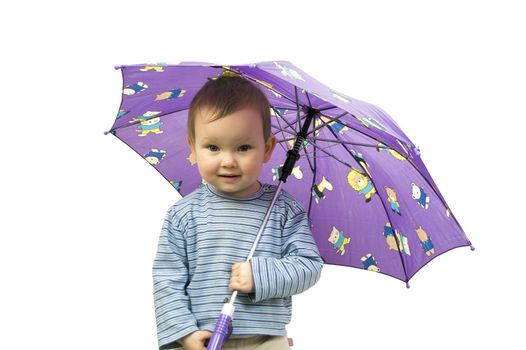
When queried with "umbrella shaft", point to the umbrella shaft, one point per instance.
{"points": [[258, 237]]}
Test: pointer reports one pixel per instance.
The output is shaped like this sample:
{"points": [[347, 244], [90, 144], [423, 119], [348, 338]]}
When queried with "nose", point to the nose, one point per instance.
{"points": [[228, 160]]}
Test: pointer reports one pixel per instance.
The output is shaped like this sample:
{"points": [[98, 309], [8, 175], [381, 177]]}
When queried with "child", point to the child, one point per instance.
{"points": [[207, 235]]}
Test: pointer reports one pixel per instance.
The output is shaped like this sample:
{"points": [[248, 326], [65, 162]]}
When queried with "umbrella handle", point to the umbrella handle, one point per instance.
{"points": [[223, 328]]}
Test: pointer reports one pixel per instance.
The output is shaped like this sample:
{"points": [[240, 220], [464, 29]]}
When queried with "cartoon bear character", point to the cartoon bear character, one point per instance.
{"points": [[159, 67], [296, 171], [361, 183], [338, 240], [289, 72], [145, 116], [170, 95], [317, 190], [391, 198], [134, 88], [154, 156], [389, 236], [420, 196], [369, 263], [425, 241], [403, 243], [150, 125], [382, 147]]}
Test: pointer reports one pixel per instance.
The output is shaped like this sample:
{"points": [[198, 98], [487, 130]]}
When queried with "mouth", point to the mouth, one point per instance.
{"points": [[230, 178]]}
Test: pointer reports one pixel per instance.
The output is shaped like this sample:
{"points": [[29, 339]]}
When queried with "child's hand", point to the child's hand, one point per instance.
{"points": [[196, 340], [241, 278]]}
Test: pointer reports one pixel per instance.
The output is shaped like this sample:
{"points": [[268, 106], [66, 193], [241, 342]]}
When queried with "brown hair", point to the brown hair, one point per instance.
{"points": [[226, 95]]}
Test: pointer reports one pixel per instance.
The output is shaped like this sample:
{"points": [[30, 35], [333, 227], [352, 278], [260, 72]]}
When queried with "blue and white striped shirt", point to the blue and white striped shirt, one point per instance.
{"points": [[205, 233]]}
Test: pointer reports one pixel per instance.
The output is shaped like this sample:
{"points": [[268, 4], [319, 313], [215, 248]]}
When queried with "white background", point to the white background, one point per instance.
{"points": [[81, 212]]}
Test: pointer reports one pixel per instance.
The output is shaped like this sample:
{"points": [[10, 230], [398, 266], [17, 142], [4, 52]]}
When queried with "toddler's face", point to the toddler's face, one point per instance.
{"points": [[232, 145]]}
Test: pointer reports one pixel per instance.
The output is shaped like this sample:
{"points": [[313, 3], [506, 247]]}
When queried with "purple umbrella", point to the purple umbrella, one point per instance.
{"points": [[371, 201]]}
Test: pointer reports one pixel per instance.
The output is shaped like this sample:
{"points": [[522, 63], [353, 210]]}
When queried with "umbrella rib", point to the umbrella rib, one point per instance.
{"points": [[138, 121], [280, 128], [330, 155], [297, 108], [257, 82], [383, 205], [349, 143], [324, 124], [308, 98], [314, 171]]}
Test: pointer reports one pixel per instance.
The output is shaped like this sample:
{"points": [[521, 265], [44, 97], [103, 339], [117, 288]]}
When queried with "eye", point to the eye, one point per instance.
{"points": [[212, 148], [244, 148]]}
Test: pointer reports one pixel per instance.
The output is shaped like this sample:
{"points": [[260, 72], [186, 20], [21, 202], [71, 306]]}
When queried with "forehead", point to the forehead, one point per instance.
{"points": [[242, 125]]}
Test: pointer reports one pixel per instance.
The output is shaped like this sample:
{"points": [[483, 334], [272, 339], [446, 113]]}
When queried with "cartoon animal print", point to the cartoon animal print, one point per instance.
{"points": [[278, 112], [176, 184], [317, 190], [338, 240], [361, 183], [382, 147], [121, 113], [289, 72], [369, 263], [159, 67], [154, 156], [369, 121], [170, 94], [389, 236], [148, 123], [425, 241], [391, 198], [296, 171], [334, 125], [358, 157], [134, 88], [403, 242], [420, 195]]}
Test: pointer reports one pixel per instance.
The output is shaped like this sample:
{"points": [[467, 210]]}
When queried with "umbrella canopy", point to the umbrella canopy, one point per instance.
{"points": [[371, 201]]}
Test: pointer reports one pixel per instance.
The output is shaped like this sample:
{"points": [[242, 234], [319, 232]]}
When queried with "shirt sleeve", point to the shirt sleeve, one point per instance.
{"points": [[298, 269], [170, 277]]}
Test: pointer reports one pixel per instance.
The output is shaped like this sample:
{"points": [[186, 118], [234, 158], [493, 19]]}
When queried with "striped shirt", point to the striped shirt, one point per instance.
{"points": [[203, 234]]}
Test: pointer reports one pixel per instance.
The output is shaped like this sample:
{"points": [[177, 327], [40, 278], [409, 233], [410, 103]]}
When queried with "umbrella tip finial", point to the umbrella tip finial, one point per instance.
{"points": [[472, 247], [117, 67], [407, 285]]}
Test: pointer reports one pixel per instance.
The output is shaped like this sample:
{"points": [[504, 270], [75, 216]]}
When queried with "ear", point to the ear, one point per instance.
{"points": [[192, 149], [269, 148]]}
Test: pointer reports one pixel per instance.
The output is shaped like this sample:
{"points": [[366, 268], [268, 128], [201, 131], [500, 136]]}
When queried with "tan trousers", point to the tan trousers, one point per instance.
{"points": [[260, 342]]}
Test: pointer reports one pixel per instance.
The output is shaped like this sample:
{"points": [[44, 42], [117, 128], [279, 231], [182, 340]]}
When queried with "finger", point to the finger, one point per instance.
{"points": [[204, 335], [233, 286], [207, 334]]}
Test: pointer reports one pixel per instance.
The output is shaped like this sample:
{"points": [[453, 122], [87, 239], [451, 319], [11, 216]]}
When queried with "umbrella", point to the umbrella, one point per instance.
{"points": [[372, 202]]}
